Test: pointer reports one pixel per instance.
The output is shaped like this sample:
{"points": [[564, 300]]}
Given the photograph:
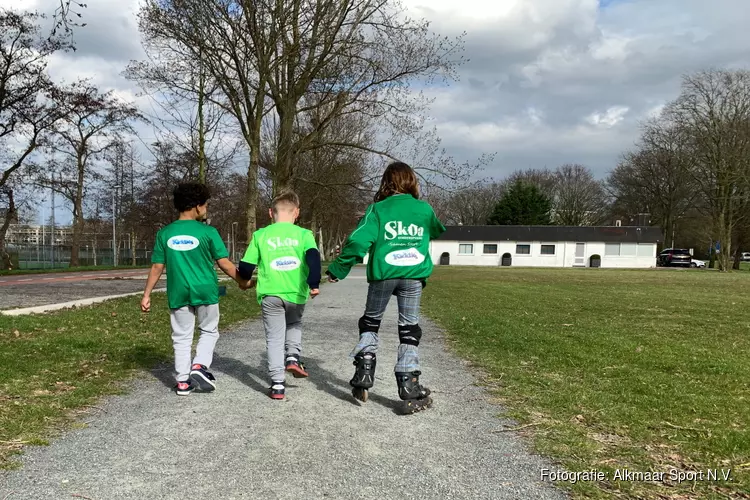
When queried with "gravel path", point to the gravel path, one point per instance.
{"points": [[318, 443]]}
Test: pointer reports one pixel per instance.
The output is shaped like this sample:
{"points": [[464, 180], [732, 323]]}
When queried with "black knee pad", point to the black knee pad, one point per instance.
{"points": [[410, 334], [368, 324]]}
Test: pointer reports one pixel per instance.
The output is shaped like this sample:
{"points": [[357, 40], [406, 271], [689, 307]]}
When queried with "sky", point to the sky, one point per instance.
{"points": [[547, 82]]}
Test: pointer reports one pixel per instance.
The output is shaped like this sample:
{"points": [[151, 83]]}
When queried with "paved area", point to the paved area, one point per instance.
{"points": [[18, 291], [318, 443]]}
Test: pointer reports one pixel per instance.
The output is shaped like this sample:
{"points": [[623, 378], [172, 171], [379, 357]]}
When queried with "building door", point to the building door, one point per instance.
{"points": [[445, 259], [580, 255], [506, 260]]}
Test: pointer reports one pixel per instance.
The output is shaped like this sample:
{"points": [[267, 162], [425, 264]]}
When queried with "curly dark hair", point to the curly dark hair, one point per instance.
{"points": [[189, 195]]}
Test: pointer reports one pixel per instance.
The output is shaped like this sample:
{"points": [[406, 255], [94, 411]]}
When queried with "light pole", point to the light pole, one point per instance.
{"points": [[114, 228], [234, 249]]}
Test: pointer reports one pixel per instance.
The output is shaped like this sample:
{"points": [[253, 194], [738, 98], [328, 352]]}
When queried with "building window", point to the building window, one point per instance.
{"points": [[548, 249], [465, 249], [646, 250], [490, 248], [523, 249], [628, 249], [612, 249]]}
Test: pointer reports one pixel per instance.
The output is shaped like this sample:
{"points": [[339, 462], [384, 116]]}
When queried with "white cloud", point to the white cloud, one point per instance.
{"points": [[547, 82], [609, 118]]}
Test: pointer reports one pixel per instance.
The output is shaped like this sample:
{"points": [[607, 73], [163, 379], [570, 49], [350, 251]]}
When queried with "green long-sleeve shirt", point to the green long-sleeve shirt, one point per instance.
{"points": [[396, 233]]}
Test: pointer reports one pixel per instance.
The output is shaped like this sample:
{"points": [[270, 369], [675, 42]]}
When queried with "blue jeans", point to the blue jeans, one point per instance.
{"points": [[408, 294]]}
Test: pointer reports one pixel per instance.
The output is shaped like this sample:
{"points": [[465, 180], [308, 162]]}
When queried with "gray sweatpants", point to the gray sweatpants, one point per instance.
{"points": [[183, 328], [283, 324]]}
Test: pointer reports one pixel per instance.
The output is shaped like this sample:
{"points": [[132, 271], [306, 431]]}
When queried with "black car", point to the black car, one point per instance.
{"points": [[674, 257]]}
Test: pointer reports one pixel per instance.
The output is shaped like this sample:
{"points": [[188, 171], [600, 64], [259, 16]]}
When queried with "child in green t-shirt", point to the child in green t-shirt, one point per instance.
{"points": [[188, 249], [289, 268]]}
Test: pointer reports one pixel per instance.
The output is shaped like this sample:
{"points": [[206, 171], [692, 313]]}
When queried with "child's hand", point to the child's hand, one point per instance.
{"points": [[314, 292], [331, 277]]}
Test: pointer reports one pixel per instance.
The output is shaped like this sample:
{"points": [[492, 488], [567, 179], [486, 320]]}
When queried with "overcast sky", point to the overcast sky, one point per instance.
{"points": [[548, 82]]}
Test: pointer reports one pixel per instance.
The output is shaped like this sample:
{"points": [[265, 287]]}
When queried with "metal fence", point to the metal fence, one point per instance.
{"points": [[58, 256]]}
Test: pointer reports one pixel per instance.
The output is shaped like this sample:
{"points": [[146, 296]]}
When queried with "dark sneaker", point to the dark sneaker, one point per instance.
{"points": [[185, 388], [204, 378], [294, 366], [277, 390]]}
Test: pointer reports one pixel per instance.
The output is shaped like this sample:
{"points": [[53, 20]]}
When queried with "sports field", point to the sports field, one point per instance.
{"points": [[619, 371]]}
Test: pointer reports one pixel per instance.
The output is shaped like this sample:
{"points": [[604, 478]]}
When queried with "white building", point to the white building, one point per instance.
{"points": [[547, 246]]}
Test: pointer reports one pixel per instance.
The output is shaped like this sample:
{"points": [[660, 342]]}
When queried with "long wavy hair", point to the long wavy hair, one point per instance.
{"points": [[398, 178]]}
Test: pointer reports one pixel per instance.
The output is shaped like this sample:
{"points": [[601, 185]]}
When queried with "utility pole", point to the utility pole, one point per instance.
{"points": [[114, 229], [52, 239]]}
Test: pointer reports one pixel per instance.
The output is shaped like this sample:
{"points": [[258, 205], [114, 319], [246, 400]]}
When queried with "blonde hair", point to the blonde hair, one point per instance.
{"points": [[287, 200]]}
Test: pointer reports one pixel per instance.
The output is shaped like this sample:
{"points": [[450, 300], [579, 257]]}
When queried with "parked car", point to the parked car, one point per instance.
{"points": [[745, 256], [698, 263], [674, 257]]}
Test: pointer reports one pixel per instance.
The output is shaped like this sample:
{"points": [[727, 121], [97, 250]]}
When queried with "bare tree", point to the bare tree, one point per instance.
{"points": [[10, 213], [218, 35], [657, 177], [27, 107], [713, 111], [25, 111], [297, 56], [185, 112], [578, 198], [95, 125]]}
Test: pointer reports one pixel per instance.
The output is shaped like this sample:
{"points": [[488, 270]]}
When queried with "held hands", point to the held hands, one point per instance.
{"points": [[331, 277], [246, 284], [314, 292]]}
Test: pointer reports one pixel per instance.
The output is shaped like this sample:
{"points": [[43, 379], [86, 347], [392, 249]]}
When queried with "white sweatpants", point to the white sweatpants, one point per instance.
{"points": [[183, 329]]}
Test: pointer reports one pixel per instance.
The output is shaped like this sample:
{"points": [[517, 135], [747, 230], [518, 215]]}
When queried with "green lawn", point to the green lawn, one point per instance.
{"points": [[606, 369], [52, 367]]}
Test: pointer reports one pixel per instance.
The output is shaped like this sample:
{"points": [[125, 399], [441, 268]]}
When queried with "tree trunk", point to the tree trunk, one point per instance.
{"points": [[5, 261], [133, 260], [252, 192], [725, 242], [78, 220], [738, 252], [78, 223], [201, 127], [283, 172]]}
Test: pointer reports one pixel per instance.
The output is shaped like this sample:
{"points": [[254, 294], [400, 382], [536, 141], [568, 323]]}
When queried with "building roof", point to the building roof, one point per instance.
{"points": [[606, 234]]}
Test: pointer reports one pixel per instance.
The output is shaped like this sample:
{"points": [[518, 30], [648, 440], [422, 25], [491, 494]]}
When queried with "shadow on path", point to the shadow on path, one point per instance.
{"points": [[242, 372], [340, 389]]}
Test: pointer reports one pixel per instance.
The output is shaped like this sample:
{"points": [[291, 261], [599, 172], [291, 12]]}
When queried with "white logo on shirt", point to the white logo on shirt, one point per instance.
{"points": [[277, 242], [183, 243], [404, 258], [285, 263], [394, 229]]}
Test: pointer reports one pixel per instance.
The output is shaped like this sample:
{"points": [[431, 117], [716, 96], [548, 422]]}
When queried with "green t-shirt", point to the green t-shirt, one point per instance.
{"points": [[189, 250], [279, 252]]}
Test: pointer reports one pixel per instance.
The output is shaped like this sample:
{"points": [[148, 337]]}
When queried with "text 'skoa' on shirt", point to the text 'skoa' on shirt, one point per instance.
{"points": [[396, 232], [279, 252], [189, 250]]}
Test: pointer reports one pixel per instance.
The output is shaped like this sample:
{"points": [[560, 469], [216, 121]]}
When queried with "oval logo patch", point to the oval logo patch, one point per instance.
{"points": [[403, 258], [285, 263], [183, 243]]}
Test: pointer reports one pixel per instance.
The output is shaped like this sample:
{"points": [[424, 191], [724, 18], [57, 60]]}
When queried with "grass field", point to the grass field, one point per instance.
{"points": [[607, 370], [55, 366]]}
